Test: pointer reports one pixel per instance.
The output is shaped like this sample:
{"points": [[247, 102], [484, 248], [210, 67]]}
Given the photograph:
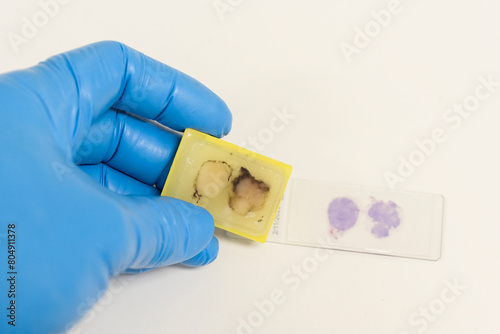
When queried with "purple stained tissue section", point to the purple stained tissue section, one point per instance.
{"points": [[386, 216], [342, 213]]}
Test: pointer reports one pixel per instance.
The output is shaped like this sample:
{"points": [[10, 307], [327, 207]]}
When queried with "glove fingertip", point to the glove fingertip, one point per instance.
{"points": [[206, 256]]}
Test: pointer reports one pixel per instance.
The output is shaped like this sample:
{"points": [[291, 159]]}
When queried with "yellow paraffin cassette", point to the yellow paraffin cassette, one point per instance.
{"points": [[240, 188]]}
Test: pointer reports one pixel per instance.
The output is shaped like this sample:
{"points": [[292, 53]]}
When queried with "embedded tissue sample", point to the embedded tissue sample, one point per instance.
{"points": [[212, 177], [247, 194]]}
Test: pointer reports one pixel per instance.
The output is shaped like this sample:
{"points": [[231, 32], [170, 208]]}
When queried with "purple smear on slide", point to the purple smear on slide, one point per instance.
{"points": [[342, 213], [385, 216]]}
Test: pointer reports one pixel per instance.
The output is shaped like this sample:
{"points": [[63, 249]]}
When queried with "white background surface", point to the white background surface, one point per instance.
{"points": [[352, 122]]}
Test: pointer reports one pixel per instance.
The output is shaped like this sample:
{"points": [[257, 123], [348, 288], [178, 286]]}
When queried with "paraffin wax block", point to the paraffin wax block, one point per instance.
{"points": [[240, 188]]}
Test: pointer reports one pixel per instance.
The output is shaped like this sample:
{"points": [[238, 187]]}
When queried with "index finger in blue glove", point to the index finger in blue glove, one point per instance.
{"points": [[108, 75]]}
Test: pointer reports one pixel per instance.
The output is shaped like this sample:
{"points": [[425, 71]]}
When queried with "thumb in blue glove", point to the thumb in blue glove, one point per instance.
{"points": [[83, 165]]}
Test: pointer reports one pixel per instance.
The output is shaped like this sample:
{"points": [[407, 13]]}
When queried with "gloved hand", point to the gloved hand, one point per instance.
{"points": [[82, 167]]}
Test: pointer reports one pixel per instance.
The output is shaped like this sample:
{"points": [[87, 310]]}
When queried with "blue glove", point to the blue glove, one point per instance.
{"points": [[82, 166]]}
